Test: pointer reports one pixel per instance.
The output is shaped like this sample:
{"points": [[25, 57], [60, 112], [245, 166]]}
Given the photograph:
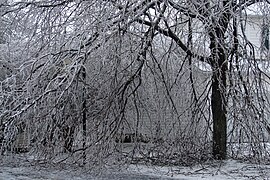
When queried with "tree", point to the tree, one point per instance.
{"points": [[88, 71], [216, 27]]}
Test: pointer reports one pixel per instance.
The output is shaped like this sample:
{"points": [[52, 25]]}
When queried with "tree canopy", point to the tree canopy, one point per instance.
{"points": [[178, 78]]}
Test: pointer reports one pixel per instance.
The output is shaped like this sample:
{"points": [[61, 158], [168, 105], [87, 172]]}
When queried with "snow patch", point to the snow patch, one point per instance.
{"points": [[230, 169]]}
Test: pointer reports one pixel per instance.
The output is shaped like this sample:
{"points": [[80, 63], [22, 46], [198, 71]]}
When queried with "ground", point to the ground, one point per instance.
{"points": [[230, 169]]}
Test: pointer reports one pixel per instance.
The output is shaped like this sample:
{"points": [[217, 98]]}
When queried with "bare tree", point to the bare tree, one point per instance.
{"points": [[218, 20], [175, 75]]}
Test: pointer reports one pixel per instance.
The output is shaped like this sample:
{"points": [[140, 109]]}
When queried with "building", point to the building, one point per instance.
{"points": [[257, 33]]}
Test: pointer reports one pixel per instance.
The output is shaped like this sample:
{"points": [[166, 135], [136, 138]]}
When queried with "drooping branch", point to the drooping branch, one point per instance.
{"points": [[169, 33], [201, 13]]}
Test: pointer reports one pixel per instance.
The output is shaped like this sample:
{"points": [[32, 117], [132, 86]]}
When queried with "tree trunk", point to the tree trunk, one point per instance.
{"points": [[84, 117], [218, 97], [2, 128], [219, 114]]}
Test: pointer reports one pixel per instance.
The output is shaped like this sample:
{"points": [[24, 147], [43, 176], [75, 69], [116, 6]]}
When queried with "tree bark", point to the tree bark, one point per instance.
{"points": [[219, 114], [84, 115], [218, 97]]}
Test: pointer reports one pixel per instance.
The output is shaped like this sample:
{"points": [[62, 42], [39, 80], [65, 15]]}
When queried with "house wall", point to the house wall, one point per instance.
{"points": [[253, 32]]}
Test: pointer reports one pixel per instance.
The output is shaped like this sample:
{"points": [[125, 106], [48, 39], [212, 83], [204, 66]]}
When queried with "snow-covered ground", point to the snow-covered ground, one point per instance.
{"points": [[230, 169]]}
